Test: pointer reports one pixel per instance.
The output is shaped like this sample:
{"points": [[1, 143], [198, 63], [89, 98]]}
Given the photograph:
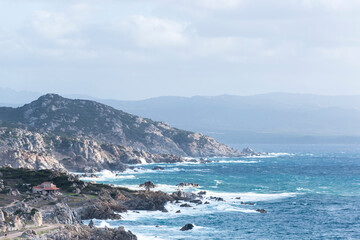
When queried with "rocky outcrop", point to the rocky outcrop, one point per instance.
{"points": [[79, 118], [148, 201], [83, 232], [180, 195], [21, 148], [15, 217], [100, 210], [61, 214]]}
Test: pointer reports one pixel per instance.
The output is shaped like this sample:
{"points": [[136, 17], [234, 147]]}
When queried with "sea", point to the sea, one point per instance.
{"points": [[308, 191]]}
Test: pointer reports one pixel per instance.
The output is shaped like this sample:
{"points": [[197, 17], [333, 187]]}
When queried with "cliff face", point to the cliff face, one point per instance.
{"points": [[21, 148], [92, 120]]}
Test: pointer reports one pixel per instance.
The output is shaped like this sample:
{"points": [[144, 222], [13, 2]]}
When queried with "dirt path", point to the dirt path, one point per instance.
{"points": [[46, 227]]}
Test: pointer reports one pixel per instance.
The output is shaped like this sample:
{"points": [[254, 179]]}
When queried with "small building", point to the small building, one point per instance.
{"points": [[45, 188]]}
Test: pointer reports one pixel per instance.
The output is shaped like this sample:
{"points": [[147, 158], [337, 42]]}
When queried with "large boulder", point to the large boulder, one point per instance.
{"points": [[180, 195], [37, 219], [61, 214]]}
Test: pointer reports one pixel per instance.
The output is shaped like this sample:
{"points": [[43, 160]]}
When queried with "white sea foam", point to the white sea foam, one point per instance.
{"points": [[250, 196], [102, 224], [162, 187], [272, 155], [146, 170], [106, 175], [236, 161]]}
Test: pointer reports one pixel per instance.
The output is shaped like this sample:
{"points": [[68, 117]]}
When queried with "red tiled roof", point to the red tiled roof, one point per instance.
{"points": [[53, 188], [37, 187]]}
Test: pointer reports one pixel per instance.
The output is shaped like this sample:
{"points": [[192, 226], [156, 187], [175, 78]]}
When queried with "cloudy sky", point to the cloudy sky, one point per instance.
{"points": [[135, 49]]}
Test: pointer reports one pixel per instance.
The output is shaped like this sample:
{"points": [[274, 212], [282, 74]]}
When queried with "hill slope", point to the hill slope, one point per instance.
{"points": [[75, 118]]}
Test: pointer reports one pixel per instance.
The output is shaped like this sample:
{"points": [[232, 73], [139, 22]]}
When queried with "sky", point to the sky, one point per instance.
{"points": [[136, 49]]}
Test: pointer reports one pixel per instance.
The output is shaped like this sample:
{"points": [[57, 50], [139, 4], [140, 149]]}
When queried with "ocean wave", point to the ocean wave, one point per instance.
{"points": [[196, 210], [250, 196], [147, 170]]}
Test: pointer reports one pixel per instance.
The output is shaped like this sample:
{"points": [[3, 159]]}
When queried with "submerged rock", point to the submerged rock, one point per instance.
{"points": [[197, 201], [261, 210], [158, 168], [219, 199], [187, 185], [185, 205]]}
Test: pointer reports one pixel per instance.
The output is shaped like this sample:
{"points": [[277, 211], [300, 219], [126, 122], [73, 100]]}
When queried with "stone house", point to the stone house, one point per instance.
{"points": [[45, 188]]}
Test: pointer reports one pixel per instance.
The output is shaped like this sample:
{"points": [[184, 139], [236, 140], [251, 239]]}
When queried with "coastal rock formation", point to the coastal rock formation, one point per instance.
{"points": [[99, 210], [21, 148], [83, 232], [180, 195], [81, 118]]}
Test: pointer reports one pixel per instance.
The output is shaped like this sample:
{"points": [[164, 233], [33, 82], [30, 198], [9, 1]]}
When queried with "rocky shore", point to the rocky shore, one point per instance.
{"points": [[22, 210]]}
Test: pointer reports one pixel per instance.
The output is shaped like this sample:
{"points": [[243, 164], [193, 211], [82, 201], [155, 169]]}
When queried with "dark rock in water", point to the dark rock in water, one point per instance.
{"points": [[205, 161], [238, 198], [177, 201], [261, 210], [219, 199], [202, 193], [91, 224], [206, 202], [157, 226], [158, 168], [187, 227], [245, 203], [187, 185], [178, 211], [147, 185], [185, 205], [197, 201]]}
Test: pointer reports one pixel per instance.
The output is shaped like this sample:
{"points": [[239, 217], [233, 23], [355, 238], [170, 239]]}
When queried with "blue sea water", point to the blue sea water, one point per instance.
{"points": [[309, 191]]}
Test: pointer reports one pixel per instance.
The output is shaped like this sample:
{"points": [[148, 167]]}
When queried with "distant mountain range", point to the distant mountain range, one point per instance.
{"points": [[266, 118]]}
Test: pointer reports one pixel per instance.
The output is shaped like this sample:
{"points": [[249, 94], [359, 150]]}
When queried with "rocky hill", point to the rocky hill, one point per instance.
{"points": [[21, 148], [89, 123]]}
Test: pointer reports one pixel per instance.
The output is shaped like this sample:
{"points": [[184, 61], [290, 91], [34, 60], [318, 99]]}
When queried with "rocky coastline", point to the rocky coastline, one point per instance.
{"points": [[23, 211]]}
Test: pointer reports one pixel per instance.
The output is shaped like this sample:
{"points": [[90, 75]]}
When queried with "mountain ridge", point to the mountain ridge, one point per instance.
{"points": [[62, 116]]}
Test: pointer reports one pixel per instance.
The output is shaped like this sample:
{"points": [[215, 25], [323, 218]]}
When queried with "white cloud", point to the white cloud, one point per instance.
{"points": [[156, 32], [218, 4], [53, 25]]}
